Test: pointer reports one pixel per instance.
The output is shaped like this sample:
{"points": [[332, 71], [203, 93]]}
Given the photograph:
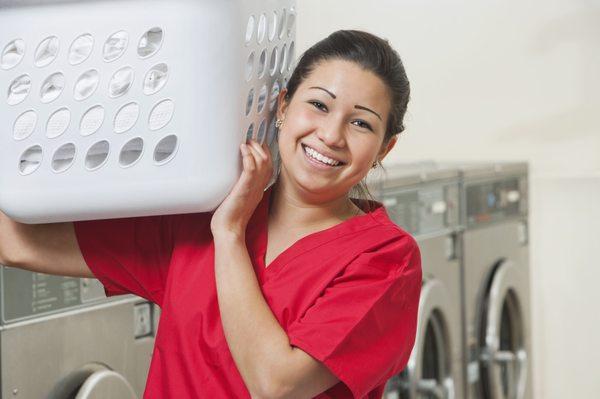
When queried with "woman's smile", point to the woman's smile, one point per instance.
{"points": [[319, 160]]}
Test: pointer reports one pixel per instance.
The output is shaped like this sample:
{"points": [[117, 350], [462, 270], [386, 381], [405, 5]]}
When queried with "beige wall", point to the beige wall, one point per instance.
{"points": [[510, 80]]}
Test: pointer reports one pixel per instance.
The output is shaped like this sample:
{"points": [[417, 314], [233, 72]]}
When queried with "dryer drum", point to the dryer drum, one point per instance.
{"points": [[429, 370], [94, 380], [503, 357]]}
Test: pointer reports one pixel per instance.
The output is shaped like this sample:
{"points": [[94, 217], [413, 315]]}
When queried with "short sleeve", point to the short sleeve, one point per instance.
{"points": [[363, 325], [129, 255]]}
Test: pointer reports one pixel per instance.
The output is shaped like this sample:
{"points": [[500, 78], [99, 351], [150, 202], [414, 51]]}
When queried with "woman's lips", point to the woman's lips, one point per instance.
{"points": [[317, 163]]}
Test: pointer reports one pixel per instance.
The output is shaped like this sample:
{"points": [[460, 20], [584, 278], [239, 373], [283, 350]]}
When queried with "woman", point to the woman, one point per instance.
{"points": [[297, 291]]}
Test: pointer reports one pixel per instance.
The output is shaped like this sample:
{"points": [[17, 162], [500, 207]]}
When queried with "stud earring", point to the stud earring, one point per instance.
{"points": [[374, 165], [279, 123]]}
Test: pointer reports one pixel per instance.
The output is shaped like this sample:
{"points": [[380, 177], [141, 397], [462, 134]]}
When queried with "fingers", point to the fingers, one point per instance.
{"points": [[261, 156], [257, 161], [247, 158], [262, 152]]}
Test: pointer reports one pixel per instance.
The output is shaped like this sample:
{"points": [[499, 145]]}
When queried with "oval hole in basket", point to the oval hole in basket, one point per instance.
{"points": [[291, 21], [262, 98], [30, 160], [91, 120], [12, 54], [262, 64], [18, 90], [272, 26], [260, 137], [274, 95], [156, 78], [273, 62], [282, 22], [97, 155], [165, 149], [290, 56], [161, 114], [24, 125], [81, 49], [131, 152], [150, 42], [120, 82], [249, 66], [86, 84], [249, 101], [250, 28], [262, 28], [63, 157], [115, 46], [46, 51], [52, 87], [283, 58], [250, 132]]}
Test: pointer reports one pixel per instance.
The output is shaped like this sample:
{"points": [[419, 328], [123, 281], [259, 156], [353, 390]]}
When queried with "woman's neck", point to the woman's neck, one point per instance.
{"points": [[290, 208]]}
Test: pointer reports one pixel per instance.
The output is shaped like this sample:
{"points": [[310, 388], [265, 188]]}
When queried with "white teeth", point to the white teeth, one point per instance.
{"points": [[320, 157]]}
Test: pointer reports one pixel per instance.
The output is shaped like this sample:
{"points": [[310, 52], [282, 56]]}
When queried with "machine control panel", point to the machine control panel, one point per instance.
{"points": [[25, 294], [426, 209], [491, 201]]}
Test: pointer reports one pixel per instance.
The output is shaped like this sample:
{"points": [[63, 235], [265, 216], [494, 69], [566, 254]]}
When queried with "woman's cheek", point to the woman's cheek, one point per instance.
{"points": [[305, 117]]}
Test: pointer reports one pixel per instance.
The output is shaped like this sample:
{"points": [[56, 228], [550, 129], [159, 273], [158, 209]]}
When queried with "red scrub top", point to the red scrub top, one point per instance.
{"points": [[347, 295]]}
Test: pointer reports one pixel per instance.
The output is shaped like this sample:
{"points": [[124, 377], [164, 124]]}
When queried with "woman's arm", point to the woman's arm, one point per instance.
{"points": [[270, 367], [45, 248]]}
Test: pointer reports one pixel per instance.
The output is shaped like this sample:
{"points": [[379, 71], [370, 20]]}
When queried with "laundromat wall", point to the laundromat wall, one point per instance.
{"points": [[510, 80]]}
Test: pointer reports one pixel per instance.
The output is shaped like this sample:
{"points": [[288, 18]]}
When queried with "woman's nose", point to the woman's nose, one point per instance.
{"points": [[332, 133]]}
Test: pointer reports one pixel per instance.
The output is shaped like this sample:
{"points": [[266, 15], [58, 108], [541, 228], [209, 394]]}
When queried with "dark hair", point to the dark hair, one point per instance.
{"points": [[372, 53]]}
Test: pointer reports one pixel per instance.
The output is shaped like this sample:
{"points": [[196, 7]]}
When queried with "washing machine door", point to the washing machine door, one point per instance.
{"points": [[93, 381], [428, 374], [106, 384], [503, 356]]}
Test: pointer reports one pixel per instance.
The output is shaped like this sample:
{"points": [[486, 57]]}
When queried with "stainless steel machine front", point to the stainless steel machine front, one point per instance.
{"points": [[60, 337], [424, 201], [496, 281]]}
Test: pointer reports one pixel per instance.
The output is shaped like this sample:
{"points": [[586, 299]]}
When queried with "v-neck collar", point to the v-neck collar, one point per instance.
{"points": [[257, 235]]}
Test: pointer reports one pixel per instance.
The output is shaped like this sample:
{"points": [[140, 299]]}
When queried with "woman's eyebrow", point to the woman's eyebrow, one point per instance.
{"points": [[367, 109], [356, 106], [325, 90]]}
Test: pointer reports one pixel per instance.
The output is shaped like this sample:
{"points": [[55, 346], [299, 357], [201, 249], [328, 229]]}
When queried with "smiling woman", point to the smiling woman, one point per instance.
{"points": [[359, 62], [297, 291], [350, 285], [335, 121]]}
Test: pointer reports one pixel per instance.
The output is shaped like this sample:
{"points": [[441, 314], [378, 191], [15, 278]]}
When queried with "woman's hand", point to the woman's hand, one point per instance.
{"points": [[232, 216]]}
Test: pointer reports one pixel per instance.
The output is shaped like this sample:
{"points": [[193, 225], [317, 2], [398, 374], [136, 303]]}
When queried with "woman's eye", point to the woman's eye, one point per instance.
{"points": [[363, 124], [318, 105]]}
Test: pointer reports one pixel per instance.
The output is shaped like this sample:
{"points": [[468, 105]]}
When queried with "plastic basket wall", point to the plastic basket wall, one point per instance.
{"points": [[134, 107]]}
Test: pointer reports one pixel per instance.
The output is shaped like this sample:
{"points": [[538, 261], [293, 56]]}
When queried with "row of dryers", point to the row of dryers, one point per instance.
{"points": [[473, 335]]}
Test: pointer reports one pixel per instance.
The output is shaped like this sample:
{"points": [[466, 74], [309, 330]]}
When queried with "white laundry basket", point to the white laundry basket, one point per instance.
{"points": [[115, 108]]}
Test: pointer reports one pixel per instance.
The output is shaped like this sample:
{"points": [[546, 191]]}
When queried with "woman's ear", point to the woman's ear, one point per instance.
{"points": [[281, 104], [385, 149]]}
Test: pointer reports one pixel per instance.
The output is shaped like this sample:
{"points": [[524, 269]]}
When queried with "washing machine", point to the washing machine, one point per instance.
{"points": [[496, 281], [60, 337], [424, 201]]}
